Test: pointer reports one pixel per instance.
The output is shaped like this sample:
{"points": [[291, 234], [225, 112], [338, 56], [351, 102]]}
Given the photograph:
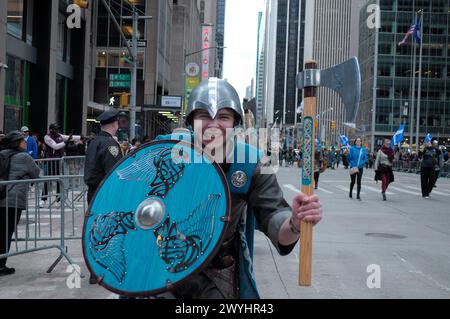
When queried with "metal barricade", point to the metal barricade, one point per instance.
{"points": [[72, 165], [49, 166], [29, 226], [67, 165]]}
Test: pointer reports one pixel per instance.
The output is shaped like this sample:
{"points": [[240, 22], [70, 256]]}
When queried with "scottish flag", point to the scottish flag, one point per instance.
{"points": [[398, 137], [344, 140], [428, 138]]}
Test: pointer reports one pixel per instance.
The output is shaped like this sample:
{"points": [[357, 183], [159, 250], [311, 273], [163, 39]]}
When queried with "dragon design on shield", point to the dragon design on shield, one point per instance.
{"points": [[157, 168], [181, 243], [106, 241]]}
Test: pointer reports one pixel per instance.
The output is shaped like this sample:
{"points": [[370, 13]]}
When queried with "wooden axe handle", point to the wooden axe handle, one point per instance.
{"points": [[308, 139]]}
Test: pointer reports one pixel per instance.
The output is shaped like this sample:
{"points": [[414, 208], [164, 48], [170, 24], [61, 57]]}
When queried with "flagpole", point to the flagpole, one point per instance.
{"points": [[420, 82], [413, 91]]}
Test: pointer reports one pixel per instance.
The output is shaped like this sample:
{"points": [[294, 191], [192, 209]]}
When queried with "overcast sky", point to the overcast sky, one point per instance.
{"points": [[241, 31]]}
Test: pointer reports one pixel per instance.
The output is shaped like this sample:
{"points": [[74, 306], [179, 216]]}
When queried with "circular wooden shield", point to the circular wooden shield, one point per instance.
{"points": [[156, 220]]}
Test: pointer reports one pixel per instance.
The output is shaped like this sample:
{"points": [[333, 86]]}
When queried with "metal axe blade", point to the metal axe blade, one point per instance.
{"points": [[344, 79]]}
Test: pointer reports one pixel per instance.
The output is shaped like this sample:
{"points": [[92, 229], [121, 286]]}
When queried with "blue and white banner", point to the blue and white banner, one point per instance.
{"points": [[398, 136]]}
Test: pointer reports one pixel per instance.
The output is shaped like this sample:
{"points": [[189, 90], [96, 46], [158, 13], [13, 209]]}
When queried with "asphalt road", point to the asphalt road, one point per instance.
{"points": [[406, 240], [405, 243]]}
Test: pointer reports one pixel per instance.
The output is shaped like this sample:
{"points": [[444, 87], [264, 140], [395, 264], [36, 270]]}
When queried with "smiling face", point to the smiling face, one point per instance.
{"points": [[213, 129]]}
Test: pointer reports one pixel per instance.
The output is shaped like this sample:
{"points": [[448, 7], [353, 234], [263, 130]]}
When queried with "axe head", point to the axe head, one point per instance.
{"points": [[344, 79]]}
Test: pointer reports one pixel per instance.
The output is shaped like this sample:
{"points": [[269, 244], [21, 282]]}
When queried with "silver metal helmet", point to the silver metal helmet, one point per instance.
{"points": [[213, 95]]}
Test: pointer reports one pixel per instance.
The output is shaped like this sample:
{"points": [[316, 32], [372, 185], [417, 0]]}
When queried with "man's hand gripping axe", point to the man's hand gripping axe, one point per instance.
{"points": [[345, 79]]}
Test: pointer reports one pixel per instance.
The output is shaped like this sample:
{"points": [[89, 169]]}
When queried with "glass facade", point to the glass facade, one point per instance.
{"points": [[20, 19], [220, 35], [289, 58], [395, 67], [112, 54], [14, 93]]}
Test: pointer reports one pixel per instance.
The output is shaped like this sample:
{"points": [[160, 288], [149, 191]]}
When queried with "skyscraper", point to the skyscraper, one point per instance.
{"points": [[388, 98], [284, 45], [330, 40], [220, 35]]}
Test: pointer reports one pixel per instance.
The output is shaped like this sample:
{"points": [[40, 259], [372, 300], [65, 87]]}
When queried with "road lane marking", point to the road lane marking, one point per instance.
{"points": [[405, 191], [414, 270], [376, 190], [325, 191], [433, 191], [346, 189]]}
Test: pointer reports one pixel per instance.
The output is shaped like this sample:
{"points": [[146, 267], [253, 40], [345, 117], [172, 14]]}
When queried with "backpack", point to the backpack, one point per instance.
{"points": [[5, 161]]}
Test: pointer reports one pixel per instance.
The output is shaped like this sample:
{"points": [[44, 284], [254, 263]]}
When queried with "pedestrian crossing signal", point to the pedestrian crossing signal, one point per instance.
{"points": [[124, 100]]}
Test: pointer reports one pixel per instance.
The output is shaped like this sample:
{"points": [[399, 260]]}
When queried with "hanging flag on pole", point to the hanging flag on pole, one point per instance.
{"points": [[398, 136], [413, 30], [428, 138]]}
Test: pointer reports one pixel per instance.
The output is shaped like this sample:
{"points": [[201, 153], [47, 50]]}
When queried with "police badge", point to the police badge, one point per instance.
{"points": [[114, 150], [156, 220]]}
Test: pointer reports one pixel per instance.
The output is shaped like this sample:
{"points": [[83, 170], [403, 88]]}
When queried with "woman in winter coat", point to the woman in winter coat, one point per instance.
{"points": [[383, 166], [357, 158], [21, 166]]}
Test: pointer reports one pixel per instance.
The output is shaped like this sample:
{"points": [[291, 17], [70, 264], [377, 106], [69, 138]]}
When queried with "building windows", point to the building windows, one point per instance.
{"points": [[15, 19], [116, 58], [14, 93]]}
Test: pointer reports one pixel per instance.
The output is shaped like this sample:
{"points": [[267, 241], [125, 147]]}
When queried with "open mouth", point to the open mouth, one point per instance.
{"points": [[211, 135]]}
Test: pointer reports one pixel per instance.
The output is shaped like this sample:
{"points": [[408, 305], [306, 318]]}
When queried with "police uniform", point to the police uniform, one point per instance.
{"points": [[102, 155]]}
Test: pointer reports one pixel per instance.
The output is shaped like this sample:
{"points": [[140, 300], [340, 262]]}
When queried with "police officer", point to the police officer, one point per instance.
{"points": [[103, 152]]}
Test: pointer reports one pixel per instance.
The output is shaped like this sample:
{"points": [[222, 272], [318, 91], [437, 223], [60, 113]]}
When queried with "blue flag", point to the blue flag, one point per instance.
{"points": [[344, 140], [428, 138], [398, 136]]}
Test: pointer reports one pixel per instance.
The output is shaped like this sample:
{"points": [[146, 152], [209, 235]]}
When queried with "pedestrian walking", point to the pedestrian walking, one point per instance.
{"points": [[383, 166], [357, 158], [439, 161], [102, 155], [15, 164], [427, 169], [318, 162]]}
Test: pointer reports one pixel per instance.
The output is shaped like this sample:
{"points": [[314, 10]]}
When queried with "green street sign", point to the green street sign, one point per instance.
{"points": [[120, 77], [119, 84]]}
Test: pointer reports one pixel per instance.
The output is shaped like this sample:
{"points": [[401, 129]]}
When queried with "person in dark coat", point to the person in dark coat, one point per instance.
{"points": [[21, 167], [383, 166], [427, 169], [102, 155]]}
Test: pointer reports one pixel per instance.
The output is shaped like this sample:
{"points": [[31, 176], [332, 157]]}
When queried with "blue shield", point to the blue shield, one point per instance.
{"points": [[156, 220]]}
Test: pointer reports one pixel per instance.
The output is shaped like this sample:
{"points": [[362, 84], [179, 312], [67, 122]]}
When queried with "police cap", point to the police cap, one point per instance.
{"points": [[108, 117]]}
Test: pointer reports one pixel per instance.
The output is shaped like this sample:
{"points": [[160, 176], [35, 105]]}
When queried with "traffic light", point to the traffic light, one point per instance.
{"points": [[333, 124], [124, 100]]}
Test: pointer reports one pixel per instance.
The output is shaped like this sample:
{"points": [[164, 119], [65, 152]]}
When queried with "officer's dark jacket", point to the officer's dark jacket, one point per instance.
{"points": [[102, 154]]}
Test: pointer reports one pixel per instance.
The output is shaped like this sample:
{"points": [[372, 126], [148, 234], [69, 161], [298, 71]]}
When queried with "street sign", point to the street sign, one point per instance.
{"points": [[120, 77], [171, 101], [120, 80], [141, 43], [192, 69]]}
